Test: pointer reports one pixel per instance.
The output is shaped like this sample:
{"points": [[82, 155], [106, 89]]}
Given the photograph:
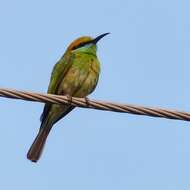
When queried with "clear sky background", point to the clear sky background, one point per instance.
{"points": [[145, 61]]}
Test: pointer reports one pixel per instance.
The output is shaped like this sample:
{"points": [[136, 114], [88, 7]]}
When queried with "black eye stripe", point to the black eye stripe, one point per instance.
{"points": [[81, 45]]}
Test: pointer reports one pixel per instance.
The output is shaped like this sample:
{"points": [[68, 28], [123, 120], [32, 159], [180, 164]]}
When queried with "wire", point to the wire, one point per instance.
{"points": [[93, 104]]}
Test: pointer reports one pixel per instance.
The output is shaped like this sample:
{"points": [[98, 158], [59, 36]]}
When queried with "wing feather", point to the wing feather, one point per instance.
{"points": [[59, 71]]}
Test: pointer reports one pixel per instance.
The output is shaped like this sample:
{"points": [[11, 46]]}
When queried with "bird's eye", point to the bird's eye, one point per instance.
{"points": [[74, 47], [80, 45], [77, 46]]}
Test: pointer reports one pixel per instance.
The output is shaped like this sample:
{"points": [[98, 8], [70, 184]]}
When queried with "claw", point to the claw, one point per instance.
{"points": [[69, 98], [87, 101]]}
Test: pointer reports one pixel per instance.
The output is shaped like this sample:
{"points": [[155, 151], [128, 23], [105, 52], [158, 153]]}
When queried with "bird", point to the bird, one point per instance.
{"points": [[76, 74]]}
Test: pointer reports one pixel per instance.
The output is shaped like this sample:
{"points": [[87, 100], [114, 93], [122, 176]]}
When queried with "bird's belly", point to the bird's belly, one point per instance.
{"points": [[88, 85], [79, 82]]}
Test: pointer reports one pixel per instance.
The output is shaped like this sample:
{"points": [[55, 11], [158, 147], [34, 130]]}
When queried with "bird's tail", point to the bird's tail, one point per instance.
{"points": [[36, 148]]}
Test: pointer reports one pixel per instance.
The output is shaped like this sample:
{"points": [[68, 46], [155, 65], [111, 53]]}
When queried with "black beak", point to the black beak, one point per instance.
{"points": [[99, 37]]}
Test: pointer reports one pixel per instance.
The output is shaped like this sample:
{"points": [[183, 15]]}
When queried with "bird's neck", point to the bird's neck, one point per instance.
{"points": [[89, 49]]}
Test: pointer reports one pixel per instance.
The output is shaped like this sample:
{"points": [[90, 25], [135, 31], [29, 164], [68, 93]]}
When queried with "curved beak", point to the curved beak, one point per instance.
{"points": [[99, 37]]}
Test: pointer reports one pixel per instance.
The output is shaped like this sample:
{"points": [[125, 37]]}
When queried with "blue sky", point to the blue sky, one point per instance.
{"points": [[145, 61]]}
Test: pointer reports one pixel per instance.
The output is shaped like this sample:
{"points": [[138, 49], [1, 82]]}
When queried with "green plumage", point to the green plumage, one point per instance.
{"points": [[75, 74]]}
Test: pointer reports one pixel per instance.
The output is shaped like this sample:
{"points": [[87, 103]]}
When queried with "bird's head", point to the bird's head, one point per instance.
{"points": [[85, 44]]}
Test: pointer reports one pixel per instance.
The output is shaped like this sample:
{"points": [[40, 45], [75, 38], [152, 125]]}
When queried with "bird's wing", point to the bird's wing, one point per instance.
{"points": [[59, 71]]}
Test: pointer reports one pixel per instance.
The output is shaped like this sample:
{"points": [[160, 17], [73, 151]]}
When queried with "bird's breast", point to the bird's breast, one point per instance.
{"points": [[82, 77]]}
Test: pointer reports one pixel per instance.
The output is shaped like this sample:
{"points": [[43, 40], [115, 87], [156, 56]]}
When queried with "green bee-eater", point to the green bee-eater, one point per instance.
{"points": [[75, 74]]}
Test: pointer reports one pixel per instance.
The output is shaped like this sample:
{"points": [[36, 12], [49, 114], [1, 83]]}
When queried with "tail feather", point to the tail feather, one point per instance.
{"points": [[36, 148]]}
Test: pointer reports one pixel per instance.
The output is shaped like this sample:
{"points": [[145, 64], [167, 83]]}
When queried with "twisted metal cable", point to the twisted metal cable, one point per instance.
{"points": [[100, 105]]}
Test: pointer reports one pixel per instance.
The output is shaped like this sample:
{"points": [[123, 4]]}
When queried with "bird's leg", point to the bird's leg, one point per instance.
{"points": [[69, 98], [87, 101]]}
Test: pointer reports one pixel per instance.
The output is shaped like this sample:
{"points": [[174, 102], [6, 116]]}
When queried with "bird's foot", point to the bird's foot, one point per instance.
{"points": [[87, 101], [69, 99]]}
